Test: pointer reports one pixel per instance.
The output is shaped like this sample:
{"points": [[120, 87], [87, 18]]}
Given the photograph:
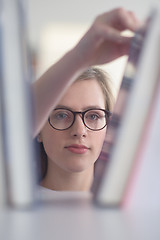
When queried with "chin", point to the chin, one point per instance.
{"points": [[79, 165], [79, 168]]}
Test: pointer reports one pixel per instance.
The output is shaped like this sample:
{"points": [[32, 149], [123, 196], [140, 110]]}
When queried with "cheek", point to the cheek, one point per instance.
{"points": [[51, 142], [99, 140], [101, 135]]}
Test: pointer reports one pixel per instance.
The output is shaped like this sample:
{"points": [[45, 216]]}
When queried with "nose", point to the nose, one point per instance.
{"points": [[78, 129]]}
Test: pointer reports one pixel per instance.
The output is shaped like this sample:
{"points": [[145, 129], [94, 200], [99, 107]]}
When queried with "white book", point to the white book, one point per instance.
{"points": [[2, 167], [19, 151], [144, 186], [115, 175]]}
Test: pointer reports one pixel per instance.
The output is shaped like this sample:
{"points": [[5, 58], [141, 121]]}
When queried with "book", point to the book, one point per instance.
{"points": [[142, 190], [119, 109], [2, 168], [129, 116], [18, 146]]}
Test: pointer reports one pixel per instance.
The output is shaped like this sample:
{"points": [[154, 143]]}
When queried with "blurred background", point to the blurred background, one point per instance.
{"points": [[55, 26]]}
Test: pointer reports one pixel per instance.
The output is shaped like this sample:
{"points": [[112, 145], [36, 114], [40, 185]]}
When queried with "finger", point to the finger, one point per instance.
{"points": [[120, 19], [111, 34], [130, 21]]}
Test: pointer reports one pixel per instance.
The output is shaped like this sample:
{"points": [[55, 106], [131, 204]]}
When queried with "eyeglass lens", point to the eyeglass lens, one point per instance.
{"points": [[62, 119]]}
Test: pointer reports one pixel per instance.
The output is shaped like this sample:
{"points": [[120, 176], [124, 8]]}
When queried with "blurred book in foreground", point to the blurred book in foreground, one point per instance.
{"points": [[18, 145], [143, 190], [2, 164], [2, 168], [131, 112]]}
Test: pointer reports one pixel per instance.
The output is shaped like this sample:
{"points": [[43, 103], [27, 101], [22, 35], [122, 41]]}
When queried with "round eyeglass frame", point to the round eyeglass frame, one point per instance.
{"points": [[107, 114]]}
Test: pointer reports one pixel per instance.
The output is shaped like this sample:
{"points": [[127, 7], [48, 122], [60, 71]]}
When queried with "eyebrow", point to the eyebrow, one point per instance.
{"points": [[73, 109]]}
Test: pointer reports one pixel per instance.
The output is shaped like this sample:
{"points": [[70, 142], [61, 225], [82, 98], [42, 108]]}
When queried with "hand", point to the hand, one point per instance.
{"points": [[104, 42]]}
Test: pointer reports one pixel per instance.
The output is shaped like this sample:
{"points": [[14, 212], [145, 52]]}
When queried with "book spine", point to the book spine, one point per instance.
{"points": [[2, 165], [142, 190], [2, 168], [2, 187], [118, 112], [19, 150]]}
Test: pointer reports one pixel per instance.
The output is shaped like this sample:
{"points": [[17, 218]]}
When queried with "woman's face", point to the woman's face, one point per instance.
{"points": [[77, 148]]}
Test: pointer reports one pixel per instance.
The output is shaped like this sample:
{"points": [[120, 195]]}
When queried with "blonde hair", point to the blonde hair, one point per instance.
{"points": [[104, 81]]}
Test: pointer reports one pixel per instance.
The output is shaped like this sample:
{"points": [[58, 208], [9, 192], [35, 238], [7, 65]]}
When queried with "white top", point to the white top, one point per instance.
{"points": [[45, 194]]}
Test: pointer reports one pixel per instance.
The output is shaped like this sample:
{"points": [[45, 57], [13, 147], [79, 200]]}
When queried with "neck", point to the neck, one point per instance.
{"points": [[60, 180]]}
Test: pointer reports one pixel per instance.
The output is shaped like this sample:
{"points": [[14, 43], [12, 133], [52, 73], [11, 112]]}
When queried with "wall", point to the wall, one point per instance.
{"points": [[41, 12], [55, 26]]}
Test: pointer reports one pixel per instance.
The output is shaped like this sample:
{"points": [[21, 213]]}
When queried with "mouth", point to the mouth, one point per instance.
{"points": [[78, 149]]}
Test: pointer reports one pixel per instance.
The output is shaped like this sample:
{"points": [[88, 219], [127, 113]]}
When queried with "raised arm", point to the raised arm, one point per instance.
{"points": [[102, 43]]}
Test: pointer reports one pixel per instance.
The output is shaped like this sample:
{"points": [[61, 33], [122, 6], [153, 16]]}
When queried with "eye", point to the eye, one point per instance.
{"points": [[61, 115], [94, 115]]}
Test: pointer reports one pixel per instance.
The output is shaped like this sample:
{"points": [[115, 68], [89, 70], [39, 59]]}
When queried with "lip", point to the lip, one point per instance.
{"points": [[78, 149]]}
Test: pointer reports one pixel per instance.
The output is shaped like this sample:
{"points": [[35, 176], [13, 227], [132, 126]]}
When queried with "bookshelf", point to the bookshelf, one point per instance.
{"points": [[73, 216]]}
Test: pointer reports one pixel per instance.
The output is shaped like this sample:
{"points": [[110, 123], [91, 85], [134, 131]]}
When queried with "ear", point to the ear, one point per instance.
{"points": [[39, 138]]}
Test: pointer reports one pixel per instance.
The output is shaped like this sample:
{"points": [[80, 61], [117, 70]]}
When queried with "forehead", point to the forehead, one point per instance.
{"points": [[84, 93]]}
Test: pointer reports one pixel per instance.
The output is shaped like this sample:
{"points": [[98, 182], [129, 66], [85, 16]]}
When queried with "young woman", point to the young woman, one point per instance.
{"points": [[72, 116], [72, 138]]}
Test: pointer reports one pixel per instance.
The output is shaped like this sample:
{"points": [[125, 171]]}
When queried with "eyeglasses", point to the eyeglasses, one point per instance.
{"points": [[94, 119]]}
